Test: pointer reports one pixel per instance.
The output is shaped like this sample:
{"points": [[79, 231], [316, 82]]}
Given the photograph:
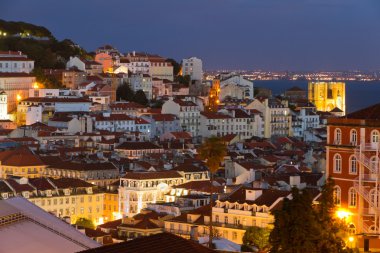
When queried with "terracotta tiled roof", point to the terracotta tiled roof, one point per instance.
{"points": [[152, 175], [111, 224], [113, 117], [138, 146], [189, 168], [19, 187], [64, 183], [158, 243], [200, 186], [83, 166], [14, 59], [181, 135], [15, 74], [20, 157], [371, 112], [213, 115], [41, 184], [56, 100], [164, 117]]}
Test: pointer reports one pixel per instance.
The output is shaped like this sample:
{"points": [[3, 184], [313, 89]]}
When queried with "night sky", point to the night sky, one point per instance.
{"points": [[226, 34]]}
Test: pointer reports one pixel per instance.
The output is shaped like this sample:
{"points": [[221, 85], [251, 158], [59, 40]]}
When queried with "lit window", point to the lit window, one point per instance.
{"points": [[337, 195], [353, 165], [352, 197], [337, 163], [353, 137], [337, 136]]}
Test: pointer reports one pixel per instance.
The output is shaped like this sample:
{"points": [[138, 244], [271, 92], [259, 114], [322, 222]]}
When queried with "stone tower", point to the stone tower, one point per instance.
{"points": [[328, 96]]}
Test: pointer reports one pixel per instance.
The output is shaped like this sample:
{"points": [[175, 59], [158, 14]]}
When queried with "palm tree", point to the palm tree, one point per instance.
{"points": [[213, 151]]}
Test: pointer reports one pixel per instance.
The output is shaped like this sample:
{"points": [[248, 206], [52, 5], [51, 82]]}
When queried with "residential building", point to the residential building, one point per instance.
{"points": [[135, 150], [232, 84], [352, 160], [114, 122], [141, 82], [15, 62], [276, 114], [139, 188], [16, 86], [21, 162], [162, 123], [192, 67], [97, 173], [187, 111]]}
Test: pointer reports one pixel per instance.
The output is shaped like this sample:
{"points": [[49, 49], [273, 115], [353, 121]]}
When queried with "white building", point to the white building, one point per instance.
{"points": [[277, 117], [235, 80], [304, 120], [114, 122], [162, 123], [33, 114], [193, 67], [187, 111], [137, 189], [233, 121], [44, 93], [141, 82], [15, 62]]}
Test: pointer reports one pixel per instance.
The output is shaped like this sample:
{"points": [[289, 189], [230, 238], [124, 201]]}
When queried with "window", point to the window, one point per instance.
{"points": [[337, 163], [373, 164], [353, 165], [375, 136], [337, 136], [217, 218], [234, 235], [374, 197], [353, 137], [352, 197], [226, 220], [337, 195]]}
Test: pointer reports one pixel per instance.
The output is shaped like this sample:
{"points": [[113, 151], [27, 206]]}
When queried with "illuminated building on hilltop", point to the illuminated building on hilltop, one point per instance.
{"points": [[327, 96], [213, 97]]}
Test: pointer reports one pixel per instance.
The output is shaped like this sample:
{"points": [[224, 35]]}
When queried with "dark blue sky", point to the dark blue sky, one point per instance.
{"points": [[226, 34]]}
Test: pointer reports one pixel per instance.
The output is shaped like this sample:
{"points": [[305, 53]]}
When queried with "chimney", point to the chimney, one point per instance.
{"points": [[294, 181], [252, 195]]}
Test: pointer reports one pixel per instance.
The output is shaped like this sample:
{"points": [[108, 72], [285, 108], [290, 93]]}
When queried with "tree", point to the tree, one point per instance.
{"points": [[125, 92], [140, 98], [185, 80], [257, 237], [84, 222], [213, 151], [295, 228], [176, 66], [298, 227]]}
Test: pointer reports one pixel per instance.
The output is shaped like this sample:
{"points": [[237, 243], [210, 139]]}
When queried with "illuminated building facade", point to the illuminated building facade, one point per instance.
{"points": [[213, 97], [353, 163], [327, 96]]}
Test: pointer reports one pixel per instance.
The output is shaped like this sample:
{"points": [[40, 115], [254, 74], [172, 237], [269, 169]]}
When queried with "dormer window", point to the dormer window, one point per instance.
{"points": [[25, 195], [89, 190], [48, 193], [66, 192], [4, 195]]}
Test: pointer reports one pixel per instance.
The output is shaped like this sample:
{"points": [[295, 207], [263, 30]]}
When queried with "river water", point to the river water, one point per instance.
{"points": [[358, 94]]}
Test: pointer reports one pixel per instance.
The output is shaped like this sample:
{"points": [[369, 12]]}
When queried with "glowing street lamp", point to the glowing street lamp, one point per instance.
{"points": [[35, 86], [18, 97], [343, 214]]}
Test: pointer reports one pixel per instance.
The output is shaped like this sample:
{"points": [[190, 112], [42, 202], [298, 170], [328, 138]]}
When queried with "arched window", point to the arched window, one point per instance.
{"points": [[353, 137], [375, 136], [374, 164], [353, 165], [374, 199], [352, 197], [337, 163], [337, 195], [337, 136]]}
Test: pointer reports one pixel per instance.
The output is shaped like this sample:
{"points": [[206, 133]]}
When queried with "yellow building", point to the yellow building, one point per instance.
{"points": [[327, 96], [111, 206], [21, 162], [213, 97], [64, 197]]}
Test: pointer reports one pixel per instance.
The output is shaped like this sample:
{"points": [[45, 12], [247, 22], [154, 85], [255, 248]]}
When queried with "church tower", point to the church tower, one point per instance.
{"points": [[328, 96], [3, 105]]}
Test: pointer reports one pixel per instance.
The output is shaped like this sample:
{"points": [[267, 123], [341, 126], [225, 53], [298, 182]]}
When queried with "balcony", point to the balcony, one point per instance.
{"points": [[240, 212]]}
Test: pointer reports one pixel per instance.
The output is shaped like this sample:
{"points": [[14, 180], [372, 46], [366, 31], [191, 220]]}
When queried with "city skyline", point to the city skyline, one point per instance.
{"points": [[271, 35]]}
